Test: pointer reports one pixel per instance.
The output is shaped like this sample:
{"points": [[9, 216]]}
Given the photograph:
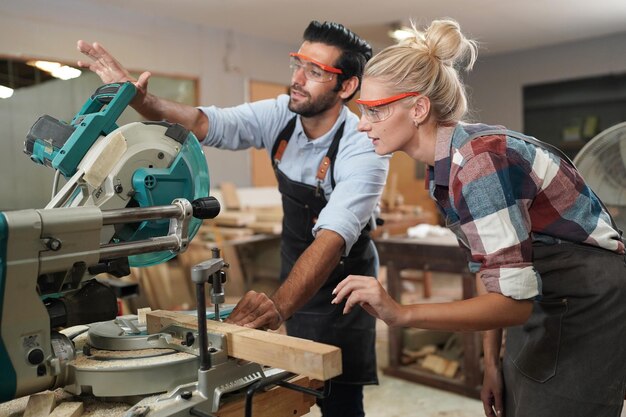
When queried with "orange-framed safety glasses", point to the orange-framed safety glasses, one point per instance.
{"points": [[381, 109], [313, 70]]}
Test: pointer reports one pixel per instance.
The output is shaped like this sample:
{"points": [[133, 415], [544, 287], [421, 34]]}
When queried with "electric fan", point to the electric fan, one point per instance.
{"points": [[602, 163]]}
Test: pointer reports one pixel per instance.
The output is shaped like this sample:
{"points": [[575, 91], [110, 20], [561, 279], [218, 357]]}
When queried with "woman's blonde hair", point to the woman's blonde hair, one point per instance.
{"points": [[426, 63]]}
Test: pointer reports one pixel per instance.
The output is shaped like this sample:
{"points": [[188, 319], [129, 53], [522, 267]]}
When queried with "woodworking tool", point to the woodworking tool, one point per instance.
{"points": [[133, 195]]}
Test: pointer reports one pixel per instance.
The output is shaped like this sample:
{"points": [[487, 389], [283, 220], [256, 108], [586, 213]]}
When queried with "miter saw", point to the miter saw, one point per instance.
{"points": [[134, 196]]}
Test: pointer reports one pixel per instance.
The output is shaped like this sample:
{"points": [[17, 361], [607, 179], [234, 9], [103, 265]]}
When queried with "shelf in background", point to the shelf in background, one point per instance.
{"points": [[567, 114]]}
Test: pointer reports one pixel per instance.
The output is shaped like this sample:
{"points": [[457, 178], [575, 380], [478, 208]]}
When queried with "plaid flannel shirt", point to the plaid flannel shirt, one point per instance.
{"points": [[505, 193]]}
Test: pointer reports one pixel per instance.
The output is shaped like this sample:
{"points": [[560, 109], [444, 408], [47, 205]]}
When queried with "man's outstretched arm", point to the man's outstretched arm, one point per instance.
{"points": [[148, 105]]}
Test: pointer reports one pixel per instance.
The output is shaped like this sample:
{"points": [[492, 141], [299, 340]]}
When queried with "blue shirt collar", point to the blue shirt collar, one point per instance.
{"points": [[324, 140]]}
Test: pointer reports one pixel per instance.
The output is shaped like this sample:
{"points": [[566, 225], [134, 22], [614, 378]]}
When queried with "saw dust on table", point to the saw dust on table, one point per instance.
{"points": [[92, 407]]}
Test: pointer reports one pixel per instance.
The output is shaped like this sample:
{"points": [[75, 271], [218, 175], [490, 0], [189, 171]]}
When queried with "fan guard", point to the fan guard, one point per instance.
{"points": [[602, 163]]}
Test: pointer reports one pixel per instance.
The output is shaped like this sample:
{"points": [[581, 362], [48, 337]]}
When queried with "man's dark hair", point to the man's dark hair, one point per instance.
{"points": [[355, 52]]}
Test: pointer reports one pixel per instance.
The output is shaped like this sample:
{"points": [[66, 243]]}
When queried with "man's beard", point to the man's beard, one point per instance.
{"points": [[313, 108]]}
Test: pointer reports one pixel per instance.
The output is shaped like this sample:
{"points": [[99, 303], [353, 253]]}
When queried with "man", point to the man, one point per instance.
{"points": [[330, 180]]}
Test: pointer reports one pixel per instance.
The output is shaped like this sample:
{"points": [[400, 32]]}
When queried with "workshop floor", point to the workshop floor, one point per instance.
{"points": [[398, 398]]}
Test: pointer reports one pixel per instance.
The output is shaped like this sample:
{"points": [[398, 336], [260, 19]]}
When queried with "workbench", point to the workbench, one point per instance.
{"points": [[430, 254]]}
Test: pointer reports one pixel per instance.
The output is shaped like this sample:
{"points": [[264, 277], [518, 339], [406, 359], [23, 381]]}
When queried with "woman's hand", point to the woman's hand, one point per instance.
{"points": [[369, 294], [491, 393]]}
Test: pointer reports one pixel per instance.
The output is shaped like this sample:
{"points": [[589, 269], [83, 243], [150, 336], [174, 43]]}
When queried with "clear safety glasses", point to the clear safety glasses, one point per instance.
{"points": [[313, 70], [381, 109]]}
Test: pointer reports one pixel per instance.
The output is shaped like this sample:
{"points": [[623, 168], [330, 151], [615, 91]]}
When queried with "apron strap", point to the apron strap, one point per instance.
{"points": [[330, 157], [281, 141]]}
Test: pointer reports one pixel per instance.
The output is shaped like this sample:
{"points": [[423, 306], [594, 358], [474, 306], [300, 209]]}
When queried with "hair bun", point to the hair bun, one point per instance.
{"points": [[445, 42], [415, 41]]}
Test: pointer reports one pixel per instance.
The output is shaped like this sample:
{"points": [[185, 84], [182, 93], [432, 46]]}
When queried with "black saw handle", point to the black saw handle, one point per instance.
{"points": [[205, 208]]}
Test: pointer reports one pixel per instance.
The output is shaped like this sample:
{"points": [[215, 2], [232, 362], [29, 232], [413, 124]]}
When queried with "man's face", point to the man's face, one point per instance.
{"points": [[309, 98]]}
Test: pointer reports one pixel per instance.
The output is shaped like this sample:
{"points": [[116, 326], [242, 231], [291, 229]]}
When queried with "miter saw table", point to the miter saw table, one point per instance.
{"points": [[120, 367]]}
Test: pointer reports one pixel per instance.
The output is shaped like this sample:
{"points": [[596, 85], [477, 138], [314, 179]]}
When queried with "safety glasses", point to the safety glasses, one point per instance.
{"points": [[313, 70], [381, 109]]}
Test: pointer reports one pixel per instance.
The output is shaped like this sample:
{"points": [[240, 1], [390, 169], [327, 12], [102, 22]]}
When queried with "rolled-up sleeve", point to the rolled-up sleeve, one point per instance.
{"points": [[496, 222], [245, 126]]}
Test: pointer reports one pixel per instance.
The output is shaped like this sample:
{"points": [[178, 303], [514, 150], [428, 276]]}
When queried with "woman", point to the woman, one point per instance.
{"points": [[549, 258]]}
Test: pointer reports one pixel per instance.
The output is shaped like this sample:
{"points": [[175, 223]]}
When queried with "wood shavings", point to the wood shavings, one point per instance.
{"points": [[83, 362]]}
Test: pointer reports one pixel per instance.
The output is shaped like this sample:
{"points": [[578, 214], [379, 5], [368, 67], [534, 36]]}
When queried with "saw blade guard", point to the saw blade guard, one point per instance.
{"points": [[187, 177], [140, 164]]}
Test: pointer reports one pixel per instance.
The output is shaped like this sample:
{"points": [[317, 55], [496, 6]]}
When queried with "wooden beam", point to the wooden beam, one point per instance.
{"points": [[300, 356], [68, 409], [230, 197], [40, 405]]}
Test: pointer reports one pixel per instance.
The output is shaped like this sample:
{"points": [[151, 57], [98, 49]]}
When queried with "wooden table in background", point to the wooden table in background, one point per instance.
{"points": [[439, 255]]}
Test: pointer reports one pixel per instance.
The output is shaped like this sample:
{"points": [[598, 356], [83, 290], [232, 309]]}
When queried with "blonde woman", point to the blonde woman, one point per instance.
{"points": [[549, 258]]}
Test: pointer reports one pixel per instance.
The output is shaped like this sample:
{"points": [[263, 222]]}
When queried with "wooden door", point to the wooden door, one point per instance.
{"points": [[262, 172]]}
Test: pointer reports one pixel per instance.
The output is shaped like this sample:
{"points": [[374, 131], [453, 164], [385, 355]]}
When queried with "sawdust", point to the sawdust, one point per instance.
{"points": [[97, 408], [92, 407], [129, 354], [101, 360], [120, 359]]}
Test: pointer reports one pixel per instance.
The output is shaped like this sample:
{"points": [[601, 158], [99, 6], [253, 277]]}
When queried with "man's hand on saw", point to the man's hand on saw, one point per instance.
{"points": [[256, 310], [110, 70]]}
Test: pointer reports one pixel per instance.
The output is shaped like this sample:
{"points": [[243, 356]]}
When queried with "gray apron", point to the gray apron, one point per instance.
{"points": [[569, 358], [318, 319]]}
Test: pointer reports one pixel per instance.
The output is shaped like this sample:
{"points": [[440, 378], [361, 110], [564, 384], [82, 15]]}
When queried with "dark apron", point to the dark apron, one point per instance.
{"points": [[569, 358], [318, 319]]}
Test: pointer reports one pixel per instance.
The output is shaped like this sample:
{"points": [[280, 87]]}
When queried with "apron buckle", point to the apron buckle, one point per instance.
{"points": [[317, 189]]}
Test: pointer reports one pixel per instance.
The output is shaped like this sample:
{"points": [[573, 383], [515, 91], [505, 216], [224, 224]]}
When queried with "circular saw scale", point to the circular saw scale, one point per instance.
{"points": [[116, 360]]}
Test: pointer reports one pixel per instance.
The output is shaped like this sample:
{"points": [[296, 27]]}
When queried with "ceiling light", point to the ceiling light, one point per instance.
{"points": [[47, 66], [56, 70], [5, 92], [66, 73], [400, 33]]}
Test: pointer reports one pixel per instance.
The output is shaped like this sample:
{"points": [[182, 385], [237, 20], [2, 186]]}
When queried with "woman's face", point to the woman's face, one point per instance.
{"points": [[389, 126]]}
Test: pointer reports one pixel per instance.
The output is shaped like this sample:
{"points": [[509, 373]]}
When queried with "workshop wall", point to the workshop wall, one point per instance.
{"points": [[222, 61], [496, 83]]}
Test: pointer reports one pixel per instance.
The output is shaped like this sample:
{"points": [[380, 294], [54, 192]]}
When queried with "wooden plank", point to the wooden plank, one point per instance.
{"points": [[230, 197], [229, 233], [40, 405], [300, 356], [270, 214], [234, 218], [435, 363], [68, 409], [141, 314], [273, 228], [277, 401]]}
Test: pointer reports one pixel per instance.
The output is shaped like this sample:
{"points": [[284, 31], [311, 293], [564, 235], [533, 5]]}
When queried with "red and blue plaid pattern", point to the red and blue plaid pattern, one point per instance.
{"points": [[506, 193]]}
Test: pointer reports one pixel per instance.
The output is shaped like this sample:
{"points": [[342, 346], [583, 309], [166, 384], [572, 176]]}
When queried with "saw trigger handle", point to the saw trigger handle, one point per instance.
{"points": [[105, 93]]}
